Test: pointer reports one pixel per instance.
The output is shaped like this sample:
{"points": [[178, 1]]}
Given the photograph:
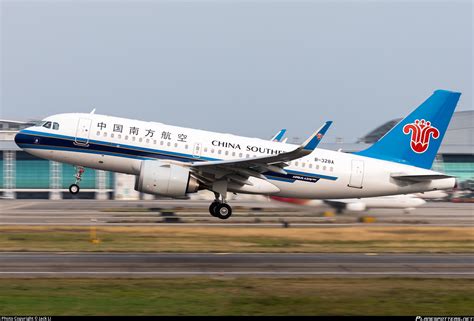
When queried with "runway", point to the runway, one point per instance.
{"points": [[191, 212], [129, 265]]}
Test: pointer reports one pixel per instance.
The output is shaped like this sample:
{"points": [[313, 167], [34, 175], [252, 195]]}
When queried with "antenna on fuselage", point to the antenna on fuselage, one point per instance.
{"points": [[93, 111]]}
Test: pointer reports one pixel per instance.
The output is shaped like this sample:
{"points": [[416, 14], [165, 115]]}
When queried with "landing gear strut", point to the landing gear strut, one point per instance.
{"points": [[219, 208], [74, 188]]}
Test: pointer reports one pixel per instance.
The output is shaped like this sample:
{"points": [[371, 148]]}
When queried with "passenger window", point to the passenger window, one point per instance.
{"points": [[105, 134], [126, 137], [112, 135], [324, 168], [55, 126], [140, 139], [154, 142], [233, 153], [186, 146], [302, 164], [240, 155], [219, 152], [147, 140], [310, 165], [169, 144], [175, 144], [296, 163], [226, 152], [47, 125]]}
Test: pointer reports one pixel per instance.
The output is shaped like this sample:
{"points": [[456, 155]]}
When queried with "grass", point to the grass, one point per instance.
{"points": [[240, 239], [239, 296]]}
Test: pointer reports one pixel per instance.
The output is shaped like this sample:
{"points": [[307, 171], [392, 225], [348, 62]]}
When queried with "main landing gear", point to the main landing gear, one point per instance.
{"points": [[74, 188], [219, 208]]}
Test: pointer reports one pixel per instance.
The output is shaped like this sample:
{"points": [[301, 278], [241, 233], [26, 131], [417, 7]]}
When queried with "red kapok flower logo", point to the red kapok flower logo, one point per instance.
{"points": [[421, 132]]}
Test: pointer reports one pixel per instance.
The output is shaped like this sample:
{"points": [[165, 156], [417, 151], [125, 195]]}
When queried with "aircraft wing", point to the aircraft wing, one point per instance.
{"points": [[257, 165], [278, 136]]}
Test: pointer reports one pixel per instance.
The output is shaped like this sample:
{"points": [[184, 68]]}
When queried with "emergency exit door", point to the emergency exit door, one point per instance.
{"points": [[357, 174], [83, 131]]}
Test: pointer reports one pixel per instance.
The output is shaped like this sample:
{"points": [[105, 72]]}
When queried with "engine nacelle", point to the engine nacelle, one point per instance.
{"points": [[166, 179], [356, 207]]}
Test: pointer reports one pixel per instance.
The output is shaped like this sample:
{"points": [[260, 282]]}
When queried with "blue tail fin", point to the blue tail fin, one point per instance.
{"points": [[416, 139]]}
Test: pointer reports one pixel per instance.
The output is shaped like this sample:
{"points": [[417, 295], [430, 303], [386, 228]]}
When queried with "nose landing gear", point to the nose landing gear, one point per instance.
{"points": [[74, 188]]}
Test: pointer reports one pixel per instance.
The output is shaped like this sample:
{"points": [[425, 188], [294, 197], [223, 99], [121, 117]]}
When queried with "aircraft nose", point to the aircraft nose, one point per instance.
{"points": [[18, 138], [21, 138], [421, 201]]}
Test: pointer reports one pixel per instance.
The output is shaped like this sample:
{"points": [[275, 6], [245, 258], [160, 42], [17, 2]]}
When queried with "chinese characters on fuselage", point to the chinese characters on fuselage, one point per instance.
{"points": [[147, 132]]}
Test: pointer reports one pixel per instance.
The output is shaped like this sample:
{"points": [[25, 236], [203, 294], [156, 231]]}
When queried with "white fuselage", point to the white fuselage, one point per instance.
{"points": [[120, 145]]}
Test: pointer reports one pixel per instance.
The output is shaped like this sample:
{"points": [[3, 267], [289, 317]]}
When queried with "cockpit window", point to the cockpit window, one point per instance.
{"points": [[47, 124], [55, 126], [39, 123]]}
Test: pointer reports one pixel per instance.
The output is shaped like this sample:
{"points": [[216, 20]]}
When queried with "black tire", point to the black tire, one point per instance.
{"points": [[223, 211], [212, 208], [74, 189]]}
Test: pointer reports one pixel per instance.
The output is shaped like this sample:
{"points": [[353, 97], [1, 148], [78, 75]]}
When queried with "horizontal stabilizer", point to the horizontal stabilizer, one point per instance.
{"points": [[418, 178]]}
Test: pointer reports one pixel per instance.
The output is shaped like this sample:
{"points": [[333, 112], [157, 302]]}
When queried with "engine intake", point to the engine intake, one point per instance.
{"points": [[166, 179]]}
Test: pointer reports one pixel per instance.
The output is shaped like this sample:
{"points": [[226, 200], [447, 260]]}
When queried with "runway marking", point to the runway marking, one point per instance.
{"points": [[236, 273], [17, 206], [329, 225]]}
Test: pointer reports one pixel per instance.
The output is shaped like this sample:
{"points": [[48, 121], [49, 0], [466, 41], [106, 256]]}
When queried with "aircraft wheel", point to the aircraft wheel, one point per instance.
{"points": [[74, 189], [212, 208], [223, 211]]}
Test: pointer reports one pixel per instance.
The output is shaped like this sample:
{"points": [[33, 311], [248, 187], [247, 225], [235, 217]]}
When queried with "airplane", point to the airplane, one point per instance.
{"points": [[174, 161], [405, 202]]}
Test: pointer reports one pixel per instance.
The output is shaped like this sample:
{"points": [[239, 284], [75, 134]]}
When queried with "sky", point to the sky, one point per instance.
{"points": [[242, 67]]}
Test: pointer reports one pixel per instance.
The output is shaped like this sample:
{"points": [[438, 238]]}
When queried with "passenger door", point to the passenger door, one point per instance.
{"points": [[83, 131], [357, 174], [197, 150]]}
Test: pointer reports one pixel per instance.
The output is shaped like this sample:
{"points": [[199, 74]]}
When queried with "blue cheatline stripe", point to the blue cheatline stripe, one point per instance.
{"points": [[332, 178], [281, 179], [32, 146], [66, 143]]}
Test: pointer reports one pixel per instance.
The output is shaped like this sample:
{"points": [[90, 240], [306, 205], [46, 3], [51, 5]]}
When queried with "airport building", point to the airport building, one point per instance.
{"points": [[25, 176]]}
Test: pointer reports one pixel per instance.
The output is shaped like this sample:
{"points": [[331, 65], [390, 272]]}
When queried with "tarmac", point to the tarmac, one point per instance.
{"points": [[130, 265], [246, 213], [142, 213]]}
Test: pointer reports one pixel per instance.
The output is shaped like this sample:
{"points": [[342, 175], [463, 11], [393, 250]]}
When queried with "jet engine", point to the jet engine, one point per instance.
{"points": [[165, 179]]}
